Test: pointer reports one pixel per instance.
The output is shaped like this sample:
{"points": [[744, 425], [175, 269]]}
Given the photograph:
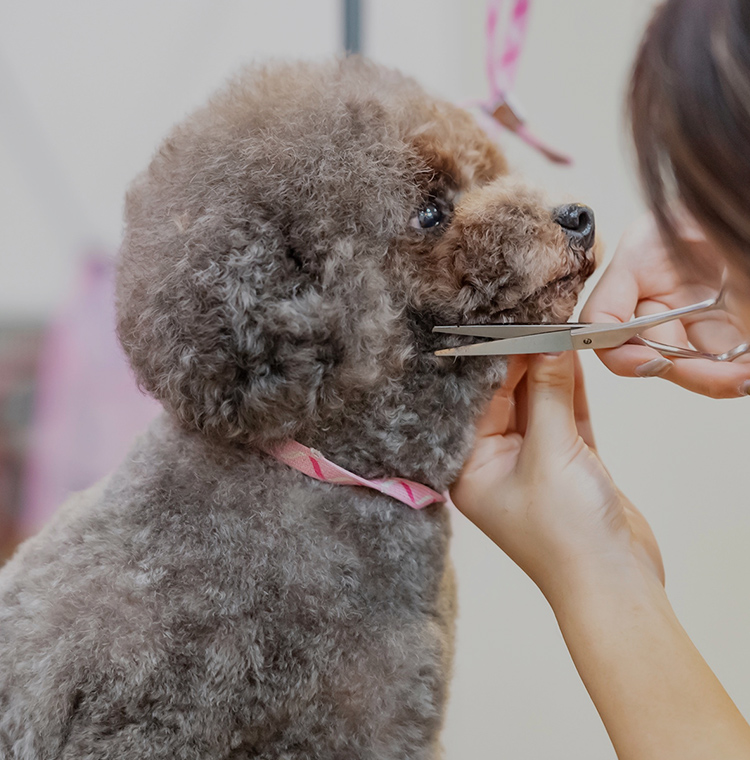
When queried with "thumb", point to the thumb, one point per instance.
{"points": [[551, 391]]}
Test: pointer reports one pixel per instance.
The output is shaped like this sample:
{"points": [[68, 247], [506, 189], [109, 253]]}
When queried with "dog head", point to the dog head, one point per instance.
{"points": [[292, 244]]}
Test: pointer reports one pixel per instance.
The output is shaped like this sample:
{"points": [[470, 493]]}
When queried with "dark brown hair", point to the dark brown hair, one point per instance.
{"points": [[689, 105]]}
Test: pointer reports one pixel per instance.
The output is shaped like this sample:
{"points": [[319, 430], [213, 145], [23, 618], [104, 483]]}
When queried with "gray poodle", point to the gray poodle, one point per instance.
{"points": [[286, 255]]}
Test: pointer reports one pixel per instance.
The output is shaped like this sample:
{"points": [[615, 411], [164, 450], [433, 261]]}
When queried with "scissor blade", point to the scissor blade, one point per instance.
{"points": [[503, 331], [560, 340]]}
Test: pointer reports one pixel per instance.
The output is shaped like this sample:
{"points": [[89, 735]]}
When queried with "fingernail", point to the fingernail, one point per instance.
{"points": [[552, 353], [745, 388], [655, 368]]}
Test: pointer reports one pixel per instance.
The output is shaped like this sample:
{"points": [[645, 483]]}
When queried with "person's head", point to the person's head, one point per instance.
{"points": [[689, 106]]}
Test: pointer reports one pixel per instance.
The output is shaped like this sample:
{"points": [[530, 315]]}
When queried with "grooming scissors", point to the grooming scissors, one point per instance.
{"points": [[575, 336]]}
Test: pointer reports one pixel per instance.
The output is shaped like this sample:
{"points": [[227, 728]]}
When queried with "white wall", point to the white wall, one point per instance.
{"points": [[95, 86], [104, 81]]}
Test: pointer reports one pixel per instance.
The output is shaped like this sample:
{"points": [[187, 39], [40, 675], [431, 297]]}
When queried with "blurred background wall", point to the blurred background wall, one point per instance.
{"points": [[88, 89]]}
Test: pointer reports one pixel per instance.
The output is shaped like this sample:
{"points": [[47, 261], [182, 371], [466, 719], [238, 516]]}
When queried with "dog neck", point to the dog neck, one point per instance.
{"points": [[312, 463]]}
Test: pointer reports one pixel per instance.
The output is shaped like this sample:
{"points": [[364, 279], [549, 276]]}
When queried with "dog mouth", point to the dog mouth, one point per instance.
{"points": [[554, 285], [538, 306]]}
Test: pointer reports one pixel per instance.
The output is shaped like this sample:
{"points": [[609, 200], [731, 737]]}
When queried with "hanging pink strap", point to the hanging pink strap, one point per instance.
{"points": [[313, 463], [502, 66]]}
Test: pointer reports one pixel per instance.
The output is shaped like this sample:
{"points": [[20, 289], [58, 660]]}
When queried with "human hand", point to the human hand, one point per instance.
{"points": [[642, 279], [535, 485]]}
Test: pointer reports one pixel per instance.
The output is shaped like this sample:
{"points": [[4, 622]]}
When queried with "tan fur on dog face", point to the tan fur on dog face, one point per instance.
{"points": [[499, 255], [457, 151], [503, 252]]}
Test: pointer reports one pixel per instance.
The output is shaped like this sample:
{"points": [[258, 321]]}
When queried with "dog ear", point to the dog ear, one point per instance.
{"points": [[223, 320], [252, 294]]}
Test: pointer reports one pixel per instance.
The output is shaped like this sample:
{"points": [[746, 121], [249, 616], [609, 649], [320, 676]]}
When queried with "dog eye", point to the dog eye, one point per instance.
{"points": [[429, 216]]}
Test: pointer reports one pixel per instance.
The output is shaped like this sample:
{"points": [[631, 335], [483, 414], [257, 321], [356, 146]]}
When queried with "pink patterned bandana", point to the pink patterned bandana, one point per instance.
{"points": [[313, 463]]}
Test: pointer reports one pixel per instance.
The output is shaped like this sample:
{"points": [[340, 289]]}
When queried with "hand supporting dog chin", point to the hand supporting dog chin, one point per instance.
{"points": [[535, 485]]}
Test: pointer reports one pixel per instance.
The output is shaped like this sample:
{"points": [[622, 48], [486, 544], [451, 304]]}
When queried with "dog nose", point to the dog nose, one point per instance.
{"points": [[578, 222]]}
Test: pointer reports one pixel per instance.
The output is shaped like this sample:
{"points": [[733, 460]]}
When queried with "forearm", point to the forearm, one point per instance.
{"points": [[655, 693]]}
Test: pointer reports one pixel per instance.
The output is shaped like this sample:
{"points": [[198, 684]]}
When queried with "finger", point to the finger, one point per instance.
{"points": [[633, 360], [670, 333], [581, 406], [714, 332], [709, 378], [499, 416], [550, 387], [640, 268], [614, 297], [517, 367]]}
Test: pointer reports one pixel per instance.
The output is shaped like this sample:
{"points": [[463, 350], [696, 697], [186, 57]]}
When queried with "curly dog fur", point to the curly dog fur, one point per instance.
{"points": [[277, 280]]}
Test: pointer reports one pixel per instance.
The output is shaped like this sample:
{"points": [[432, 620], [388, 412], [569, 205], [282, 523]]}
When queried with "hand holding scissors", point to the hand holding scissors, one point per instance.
{"points": [[641, 270], [644, 278]]}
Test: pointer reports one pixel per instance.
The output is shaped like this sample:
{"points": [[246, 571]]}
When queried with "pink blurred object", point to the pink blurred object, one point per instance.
{"points": [[501, 108], [20, 347], [87, 408]]}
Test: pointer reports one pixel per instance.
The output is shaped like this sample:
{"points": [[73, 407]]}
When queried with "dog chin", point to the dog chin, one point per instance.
{"points": [[552, 303]]}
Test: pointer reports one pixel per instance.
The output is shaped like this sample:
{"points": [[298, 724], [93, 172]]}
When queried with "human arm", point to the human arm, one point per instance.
{"points": [[536, 487], [643, 279], [655, 693]]}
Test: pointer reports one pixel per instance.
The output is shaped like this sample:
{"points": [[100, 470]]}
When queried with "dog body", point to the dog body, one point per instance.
{"points": [[206, 603], [286, 255]]}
